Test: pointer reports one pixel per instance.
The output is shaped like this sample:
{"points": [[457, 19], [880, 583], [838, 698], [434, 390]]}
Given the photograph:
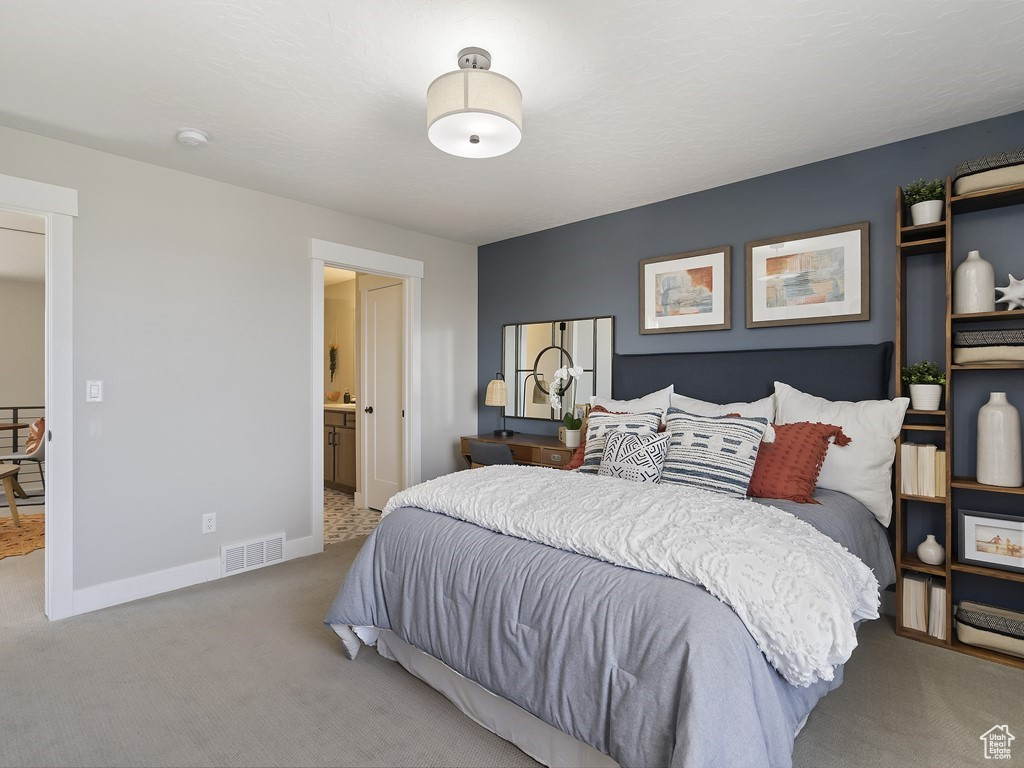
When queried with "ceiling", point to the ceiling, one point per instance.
{"points": [[22, 247], [625, 102]]}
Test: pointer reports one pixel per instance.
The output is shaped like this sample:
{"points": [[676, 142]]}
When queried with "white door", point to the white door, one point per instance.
{"points": [[381, 400]]}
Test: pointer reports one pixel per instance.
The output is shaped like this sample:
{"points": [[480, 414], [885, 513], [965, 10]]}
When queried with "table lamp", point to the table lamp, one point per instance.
{"points": [[497, 395]]}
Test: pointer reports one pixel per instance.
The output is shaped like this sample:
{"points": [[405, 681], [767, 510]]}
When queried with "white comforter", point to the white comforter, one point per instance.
{"points": [[798, 592]]}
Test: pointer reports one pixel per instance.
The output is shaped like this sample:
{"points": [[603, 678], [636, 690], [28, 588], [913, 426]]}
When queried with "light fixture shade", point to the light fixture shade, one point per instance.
{"points": [[497, 393], [474, 113]]}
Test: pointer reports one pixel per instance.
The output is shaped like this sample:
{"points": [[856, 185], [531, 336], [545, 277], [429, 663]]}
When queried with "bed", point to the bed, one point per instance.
{"points": [[582, 661]]}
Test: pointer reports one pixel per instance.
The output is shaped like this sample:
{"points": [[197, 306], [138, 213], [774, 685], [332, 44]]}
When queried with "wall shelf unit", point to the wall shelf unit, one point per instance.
{"points": [[938, 514]]}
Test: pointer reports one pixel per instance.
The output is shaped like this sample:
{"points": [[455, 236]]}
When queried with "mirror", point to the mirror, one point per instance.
{"points": [[532, 353]]}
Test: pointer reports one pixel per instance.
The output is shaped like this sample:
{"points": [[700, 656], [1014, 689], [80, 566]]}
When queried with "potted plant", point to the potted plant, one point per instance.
{"points": [[925, 380], [925, 199], [564, 378]]}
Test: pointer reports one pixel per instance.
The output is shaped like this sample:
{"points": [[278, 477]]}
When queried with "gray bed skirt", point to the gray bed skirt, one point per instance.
{"points": [[545, 744]]}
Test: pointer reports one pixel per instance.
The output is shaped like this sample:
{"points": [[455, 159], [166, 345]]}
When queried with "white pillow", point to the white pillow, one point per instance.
{"points": [[863, 468], [660, 399], [759, 409]]}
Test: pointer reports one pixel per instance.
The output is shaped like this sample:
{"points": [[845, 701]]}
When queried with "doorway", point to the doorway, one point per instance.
{"points": [[385, 400], [23, 395], [57, 206]]}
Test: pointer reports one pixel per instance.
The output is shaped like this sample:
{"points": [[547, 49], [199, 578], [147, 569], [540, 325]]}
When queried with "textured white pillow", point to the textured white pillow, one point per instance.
{"points": [[759, 409], [660, 399], [863, 468]]}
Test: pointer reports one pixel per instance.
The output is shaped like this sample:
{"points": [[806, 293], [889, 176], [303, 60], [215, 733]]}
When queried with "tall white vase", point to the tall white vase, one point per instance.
{"points": [[999, 457], [974, 285]]}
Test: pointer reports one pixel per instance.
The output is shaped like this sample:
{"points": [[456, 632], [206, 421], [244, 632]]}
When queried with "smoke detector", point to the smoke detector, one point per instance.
{"points": [[192, 137]]}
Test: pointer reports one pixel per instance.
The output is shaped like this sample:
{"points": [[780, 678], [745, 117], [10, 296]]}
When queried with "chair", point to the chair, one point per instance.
{"points": [[35, 449], [8, 473], [485, 454]]}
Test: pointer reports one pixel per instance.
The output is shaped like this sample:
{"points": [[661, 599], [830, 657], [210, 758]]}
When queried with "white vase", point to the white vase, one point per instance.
{"points": [[925, 397], [999, 458], [930, 551], [572, 438], [974, 285], [928, 212]]}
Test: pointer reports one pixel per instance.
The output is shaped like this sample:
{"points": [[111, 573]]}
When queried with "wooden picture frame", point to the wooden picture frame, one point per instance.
{"points": [[809, 277], [991, 540], [686, 291]]}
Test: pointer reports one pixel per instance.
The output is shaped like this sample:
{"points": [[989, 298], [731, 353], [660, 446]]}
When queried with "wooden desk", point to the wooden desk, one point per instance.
{"points": [[536, 450]]}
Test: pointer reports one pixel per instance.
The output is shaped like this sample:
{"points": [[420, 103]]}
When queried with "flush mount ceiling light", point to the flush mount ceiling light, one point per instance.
{"points": [[474, 112], [192, 137]]}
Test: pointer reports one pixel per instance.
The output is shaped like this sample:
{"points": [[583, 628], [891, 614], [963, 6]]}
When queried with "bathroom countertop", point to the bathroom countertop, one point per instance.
{"points": [[344, 407]]}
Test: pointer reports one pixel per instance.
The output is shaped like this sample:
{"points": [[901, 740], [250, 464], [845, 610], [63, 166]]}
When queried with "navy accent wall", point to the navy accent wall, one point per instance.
{"points": [[590, 267]]}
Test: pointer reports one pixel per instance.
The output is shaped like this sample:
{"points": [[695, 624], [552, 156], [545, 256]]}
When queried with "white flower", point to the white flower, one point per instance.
{"points": [[576, 371], [561, 373], [556, 400]]}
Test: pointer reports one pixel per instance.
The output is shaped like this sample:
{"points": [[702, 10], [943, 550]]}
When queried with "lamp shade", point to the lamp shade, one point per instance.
{"points": [[497, 393], [474, 113]]}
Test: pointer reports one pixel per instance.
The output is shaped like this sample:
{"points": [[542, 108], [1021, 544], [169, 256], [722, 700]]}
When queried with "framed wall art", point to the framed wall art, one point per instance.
{"points": [[686, 292], [810, 277], [992, 540]]}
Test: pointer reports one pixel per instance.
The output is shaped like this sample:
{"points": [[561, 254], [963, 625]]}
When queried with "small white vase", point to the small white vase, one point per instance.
{"points": [[930, 551], [572, 438], [999, 458], [974, 285], [925, 397], [928, 212]]}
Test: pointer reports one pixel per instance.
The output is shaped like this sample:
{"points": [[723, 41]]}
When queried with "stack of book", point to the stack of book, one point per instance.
{"points": [[922, 470], [924, 605]]}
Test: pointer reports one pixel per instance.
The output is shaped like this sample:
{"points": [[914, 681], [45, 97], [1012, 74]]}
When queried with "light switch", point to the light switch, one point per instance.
{"points": [[94, 391]]}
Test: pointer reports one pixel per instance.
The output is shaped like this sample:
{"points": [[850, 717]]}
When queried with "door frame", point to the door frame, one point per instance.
{"points": [[59, 206], [324, 253]]}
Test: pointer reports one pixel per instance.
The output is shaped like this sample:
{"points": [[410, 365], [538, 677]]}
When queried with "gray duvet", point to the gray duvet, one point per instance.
{"points": [[647, 669]]}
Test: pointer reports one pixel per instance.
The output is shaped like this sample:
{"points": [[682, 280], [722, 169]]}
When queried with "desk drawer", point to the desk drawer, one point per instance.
{"points": [[550, 457]]}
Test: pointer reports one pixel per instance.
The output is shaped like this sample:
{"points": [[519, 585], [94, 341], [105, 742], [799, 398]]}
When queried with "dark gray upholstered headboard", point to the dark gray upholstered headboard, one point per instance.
{"points": [[861, 372]]}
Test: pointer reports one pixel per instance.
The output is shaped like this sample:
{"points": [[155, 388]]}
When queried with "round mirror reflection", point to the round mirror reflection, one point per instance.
{"points": [[549, 360]]}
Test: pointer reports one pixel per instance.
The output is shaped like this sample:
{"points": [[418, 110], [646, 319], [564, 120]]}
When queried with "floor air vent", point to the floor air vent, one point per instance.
{"points": [[248, 555]]}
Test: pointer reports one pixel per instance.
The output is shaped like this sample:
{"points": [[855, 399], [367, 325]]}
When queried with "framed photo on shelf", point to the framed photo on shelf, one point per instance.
{"points": [[991, 539], [809, 277], [686, 292]]}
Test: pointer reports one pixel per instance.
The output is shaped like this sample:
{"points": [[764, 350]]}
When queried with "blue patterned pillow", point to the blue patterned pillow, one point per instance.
{"points": [[600, 424], [716, 453], [639, 458]]}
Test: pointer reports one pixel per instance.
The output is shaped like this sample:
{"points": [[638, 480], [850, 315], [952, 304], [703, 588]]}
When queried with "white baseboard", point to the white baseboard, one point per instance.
{"points": [[359, 499], [148, 584]]}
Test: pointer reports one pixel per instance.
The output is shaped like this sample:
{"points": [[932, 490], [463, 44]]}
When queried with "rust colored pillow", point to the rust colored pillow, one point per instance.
{"points": [[35, 435], [789, 467]]}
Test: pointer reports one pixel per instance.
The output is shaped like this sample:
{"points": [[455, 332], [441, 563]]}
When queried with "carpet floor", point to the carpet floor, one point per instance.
{"points": [[241, 672]]}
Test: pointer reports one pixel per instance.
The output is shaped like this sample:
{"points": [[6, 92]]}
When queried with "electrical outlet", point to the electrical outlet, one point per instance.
{"points": [[209, 522]]}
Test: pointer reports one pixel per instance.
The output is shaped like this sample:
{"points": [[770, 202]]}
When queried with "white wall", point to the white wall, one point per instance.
{"points": [[23, 321], [191, 303]]}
